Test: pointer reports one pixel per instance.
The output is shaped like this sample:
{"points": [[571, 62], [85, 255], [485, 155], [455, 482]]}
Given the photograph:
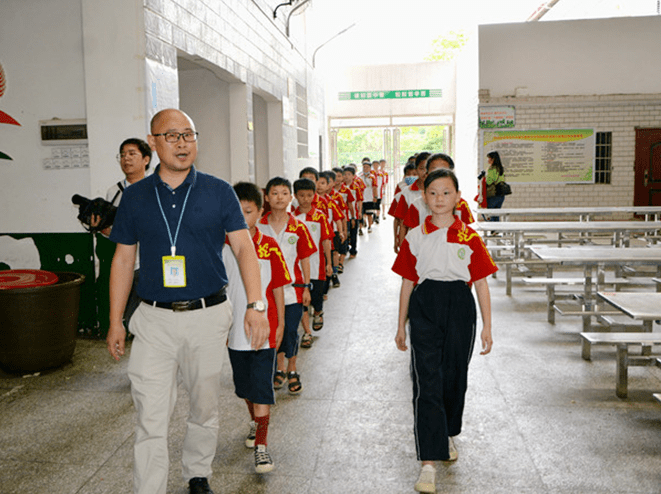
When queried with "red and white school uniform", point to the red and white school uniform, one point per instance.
{"points": [[419, 210], [295, 243], [443, 263], [349, 200], [317, 224], [274, 274], [408, 195]]}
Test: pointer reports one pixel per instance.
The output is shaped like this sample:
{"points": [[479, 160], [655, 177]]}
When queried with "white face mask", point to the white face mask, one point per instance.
{"points": [[410, 179]]}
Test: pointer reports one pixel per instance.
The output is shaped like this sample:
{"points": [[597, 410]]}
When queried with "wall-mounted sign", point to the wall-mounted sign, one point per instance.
{"points": [[496, 117], [396, 94], [534, 156]]}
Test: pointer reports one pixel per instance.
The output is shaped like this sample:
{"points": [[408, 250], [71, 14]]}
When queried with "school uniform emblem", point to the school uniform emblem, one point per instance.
{"points": [[461, 253], [292, 240]]}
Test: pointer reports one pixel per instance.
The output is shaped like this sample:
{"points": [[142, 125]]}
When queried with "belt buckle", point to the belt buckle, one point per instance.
{"points": [[181, 306]]}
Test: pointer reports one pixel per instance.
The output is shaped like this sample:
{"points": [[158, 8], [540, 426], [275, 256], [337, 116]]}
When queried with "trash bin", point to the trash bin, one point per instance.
{"points": [[38, 325]]}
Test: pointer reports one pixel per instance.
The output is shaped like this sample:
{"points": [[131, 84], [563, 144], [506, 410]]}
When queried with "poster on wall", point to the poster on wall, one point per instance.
{"points": [[497, 117], [550, 156]]}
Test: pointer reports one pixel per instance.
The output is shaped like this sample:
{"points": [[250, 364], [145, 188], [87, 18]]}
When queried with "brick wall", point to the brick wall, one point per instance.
{"points": [[619, 114]]}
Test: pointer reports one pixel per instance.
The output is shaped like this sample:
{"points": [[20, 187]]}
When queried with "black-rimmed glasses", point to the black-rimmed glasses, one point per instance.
{"points": [[173, 137]]}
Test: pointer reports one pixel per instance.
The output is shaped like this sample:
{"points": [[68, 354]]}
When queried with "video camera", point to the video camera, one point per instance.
{"points": [[94, 207]]}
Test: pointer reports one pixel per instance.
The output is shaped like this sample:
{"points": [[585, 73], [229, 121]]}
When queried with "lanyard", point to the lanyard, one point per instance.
{"points": [[173, 241]]}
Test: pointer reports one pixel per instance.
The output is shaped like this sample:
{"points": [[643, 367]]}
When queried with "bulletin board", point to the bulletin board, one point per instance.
{"points": [[549, 156]]}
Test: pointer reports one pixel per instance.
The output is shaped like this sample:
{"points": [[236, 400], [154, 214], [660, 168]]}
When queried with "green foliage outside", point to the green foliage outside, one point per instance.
{"points": [[447, 46], [354, 144]]}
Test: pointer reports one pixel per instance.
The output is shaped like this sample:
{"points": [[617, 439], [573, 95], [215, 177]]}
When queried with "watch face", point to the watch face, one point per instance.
{"points": [[258, 306]]}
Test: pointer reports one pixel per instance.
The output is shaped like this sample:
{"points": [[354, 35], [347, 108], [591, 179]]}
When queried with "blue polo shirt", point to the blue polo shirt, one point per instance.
{"points": [[211, 210]]}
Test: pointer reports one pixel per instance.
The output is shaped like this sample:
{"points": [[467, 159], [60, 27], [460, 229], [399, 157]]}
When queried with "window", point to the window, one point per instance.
{"points": [[603, 154]]}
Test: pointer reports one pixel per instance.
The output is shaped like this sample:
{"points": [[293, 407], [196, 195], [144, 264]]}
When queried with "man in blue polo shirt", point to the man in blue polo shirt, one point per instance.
{"points": [[179, 217]]}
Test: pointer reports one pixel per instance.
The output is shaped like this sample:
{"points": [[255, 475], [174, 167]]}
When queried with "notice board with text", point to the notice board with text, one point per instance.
{"points": [[549, 156]]}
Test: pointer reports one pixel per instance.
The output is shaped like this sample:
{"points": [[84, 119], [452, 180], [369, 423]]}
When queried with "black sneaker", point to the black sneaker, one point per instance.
{"points": [[263, 461], [336, 281], [199, 485]]}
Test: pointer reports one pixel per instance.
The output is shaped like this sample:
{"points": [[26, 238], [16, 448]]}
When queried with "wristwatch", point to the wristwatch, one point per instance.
{"points": [[259, 306]]}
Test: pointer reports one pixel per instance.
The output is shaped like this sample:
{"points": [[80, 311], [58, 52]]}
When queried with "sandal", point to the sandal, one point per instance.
{"points": [[306, 341], [295, 385], [340, 268], [279, 379], [318, 321]]}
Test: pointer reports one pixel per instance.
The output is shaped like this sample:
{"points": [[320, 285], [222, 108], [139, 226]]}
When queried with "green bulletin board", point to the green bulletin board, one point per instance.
{"points": [[534, 156]]}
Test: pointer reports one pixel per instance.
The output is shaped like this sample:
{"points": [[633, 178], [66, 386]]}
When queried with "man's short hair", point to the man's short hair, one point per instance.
{"points": [[247, 191], [440, 156], [304, 184], [309, 170], [366, 158], [275, 181], [142, 146], [350, 168]]}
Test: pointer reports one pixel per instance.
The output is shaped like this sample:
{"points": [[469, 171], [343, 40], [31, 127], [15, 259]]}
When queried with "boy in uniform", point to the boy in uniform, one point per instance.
{"points": [[349, 178], [410, 194], [348, 204], [320, 263], [297, 246], [253, 370]]}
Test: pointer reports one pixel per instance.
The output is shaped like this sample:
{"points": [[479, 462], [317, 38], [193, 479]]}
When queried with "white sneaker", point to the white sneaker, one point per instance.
{"points": [[263, 461], [250, 440], [453, 450], [427, 480]]}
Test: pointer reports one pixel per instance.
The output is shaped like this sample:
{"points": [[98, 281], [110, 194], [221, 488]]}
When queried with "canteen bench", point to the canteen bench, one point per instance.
{"points": [[623, 360]]}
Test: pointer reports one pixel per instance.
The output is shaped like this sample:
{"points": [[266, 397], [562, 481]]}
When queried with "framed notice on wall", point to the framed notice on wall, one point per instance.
{"points": [[551, 156]]}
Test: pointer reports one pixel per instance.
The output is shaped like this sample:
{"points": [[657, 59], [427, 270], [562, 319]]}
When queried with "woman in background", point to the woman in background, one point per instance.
{"points": [[495, 175]]}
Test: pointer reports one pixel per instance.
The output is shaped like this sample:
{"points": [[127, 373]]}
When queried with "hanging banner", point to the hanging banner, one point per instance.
{"points": [[394, 94], [534, 156]]}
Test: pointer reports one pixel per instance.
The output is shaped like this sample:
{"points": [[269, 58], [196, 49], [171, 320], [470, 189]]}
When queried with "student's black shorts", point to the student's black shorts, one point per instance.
{"points": [[338, 245], [369, 207], [253, 375]]}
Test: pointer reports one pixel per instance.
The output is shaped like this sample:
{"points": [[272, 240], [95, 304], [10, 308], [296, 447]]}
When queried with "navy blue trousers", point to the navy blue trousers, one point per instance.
{"points": [[442, 316]]}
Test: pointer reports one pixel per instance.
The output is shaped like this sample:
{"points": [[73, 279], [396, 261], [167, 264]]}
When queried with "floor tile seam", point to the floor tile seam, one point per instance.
{"points": [[130, 437]]}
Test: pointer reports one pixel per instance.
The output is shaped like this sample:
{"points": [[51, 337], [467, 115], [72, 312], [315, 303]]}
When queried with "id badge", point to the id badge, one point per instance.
{"points": [[174, 271]]}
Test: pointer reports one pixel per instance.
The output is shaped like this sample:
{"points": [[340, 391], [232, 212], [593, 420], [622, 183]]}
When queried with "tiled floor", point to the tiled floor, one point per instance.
{"points": [[538, 418]]}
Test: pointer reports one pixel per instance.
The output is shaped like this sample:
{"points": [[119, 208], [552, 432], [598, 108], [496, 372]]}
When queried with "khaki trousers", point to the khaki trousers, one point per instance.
{"points": [[166, 343]]}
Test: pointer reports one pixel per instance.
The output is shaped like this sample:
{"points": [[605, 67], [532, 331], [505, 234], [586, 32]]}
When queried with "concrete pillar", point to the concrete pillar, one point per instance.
{"points": [[242, 159], [114, 66]]}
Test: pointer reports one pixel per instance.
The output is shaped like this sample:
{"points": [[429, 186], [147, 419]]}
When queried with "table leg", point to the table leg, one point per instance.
{"points": [[622, 371], [508, 276], [586, 348], [647, 328], [587, 293]]}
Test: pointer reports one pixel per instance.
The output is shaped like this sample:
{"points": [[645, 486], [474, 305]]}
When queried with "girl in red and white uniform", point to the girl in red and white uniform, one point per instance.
{"points": [[439, 261]]}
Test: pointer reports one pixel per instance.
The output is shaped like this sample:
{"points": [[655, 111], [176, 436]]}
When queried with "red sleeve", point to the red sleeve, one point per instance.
{"points": [[402, 208], [305, 246], [481, 264], [405, 263], [279, 272], [412, 218], [397, 189], [350, 196], [465, 212], [326, 230], [393, 206]]}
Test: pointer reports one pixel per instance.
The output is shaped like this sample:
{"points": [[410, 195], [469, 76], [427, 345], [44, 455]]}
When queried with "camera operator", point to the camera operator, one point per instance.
{"points": [[134, 158]]}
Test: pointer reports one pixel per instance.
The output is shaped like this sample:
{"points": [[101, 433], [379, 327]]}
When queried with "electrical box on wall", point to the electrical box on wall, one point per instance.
{"points": [[63, 132], [69, 141]]}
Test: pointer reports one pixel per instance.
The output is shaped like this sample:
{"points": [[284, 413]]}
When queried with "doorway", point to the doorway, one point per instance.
{"points": [[647, 174]]}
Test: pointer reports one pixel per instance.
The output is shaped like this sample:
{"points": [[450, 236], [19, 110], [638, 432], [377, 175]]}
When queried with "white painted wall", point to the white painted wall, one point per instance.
{"points": [[205, 98], [466, 121], [582, 57], [42, 56]]}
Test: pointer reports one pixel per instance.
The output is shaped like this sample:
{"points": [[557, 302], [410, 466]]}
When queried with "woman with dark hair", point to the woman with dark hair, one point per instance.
{"points": [[495, 175]]}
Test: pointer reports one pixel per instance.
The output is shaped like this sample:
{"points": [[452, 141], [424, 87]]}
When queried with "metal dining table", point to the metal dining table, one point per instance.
{"points": [[621, 231], [594, 259], [651, 213]]}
